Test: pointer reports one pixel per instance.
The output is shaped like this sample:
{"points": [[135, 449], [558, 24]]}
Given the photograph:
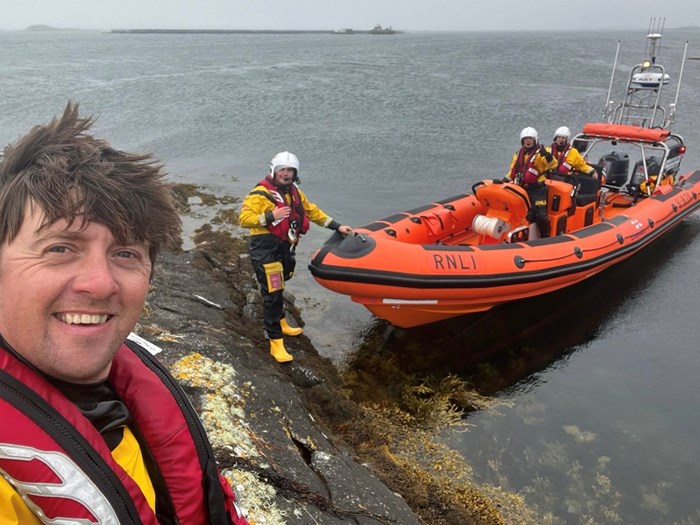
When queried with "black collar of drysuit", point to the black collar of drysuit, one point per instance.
{"points": [[100, 404]]}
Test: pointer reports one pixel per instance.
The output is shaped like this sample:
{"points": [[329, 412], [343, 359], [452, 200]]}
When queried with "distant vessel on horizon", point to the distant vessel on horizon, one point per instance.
{"points": [[379, 30], [376, 30]]}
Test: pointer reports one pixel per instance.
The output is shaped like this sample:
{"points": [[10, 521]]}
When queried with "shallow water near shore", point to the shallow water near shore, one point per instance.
{"points": [[598, 418]]}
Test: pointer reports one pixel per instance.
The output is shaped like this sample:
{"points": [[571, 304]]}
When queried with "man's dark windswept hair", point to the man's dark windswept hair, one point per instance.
{"points": [[71, 175]]}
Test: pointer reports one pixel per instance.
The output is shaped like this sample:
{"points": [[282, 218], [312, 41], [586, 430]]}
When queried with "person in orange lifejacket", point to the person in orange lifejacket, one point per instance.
{"points": [[278, 213], [92, 428], [569, 159], [527, 169]]}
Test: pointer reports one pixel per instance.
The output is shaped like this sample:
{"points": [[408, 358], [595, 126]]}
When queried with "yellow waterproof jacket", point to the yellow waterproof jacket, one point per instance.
{"points": [[571, 161], [256, 210]]}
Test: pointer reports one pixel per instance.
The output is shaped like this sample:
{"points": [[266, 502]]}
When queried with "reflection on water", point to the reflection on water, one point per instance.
{"points": [[595, 426]]}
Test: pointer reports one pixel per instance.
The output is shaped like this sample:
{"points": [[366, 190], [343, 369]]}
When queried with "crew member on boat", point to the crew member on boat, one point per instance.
{"points": [[568, 157], [528, 168], [278, 213]]}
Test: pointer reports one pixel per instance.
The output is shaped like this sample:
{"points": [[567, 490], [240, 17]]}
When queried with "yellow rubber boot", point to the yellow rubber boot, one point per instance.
{"points": [[279, 352], [289, 330]]}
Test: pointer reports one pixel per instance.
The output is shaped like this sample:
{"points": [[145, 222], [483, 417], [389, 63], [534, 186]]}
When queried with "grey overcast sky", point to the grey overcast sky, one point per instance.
{"points": [[408, 15]]}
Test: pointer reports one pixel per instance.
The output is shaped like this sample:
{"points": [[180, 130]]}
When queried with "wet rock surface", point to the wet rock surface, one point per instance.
{"points": [[276, 444]]}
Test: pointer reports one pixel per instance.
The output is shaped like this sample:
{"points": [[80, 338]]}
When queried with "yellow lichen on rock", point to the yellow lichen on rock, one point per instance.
{"points": [[259, 498], [223, 416], [222, 412]]}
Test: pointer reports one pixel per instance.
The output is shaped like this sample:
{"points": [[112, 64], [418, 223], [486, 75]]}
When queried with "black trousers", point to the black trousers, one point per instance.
{"points": [[266, 249], [537, 192]]}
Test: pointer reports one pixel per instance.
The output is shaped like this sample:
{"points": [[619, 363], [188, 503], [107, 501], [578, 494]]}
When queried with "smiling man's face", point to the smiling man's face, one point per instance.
{"points": [[69, 296]]}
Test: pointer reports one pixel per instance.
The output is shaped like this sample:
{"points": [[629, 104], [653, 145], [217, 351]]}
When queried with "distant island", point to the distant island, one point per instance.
{"points": [[377, 30], [43, 27]]}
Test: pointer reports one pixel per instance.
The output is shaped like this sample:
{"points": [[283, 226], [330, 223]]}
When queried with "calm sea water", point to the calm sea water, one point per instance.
{"points": [[599, 417]]}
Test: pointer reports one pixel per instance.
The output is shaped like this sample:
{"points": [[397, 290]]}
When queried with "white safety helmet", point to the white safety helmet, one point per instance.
{"points": [[284, 159], [563, 131], [529, 132]]}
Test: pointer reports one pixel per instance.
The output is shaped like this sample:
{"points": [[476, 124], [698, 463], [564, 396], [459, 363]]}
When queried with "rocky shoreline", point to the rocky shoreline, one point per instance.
{"points": [[299, 445], [284, 466]]}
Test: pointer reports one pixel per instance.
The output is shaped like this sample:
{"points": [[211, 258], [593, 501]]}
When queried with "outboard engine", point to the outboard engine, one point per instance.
{"points": [[653, 168], [616, 166]]}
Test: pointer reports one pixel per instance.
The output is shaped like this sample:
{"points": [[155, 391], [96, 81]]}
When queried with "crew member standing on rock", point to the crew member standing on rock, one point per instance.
{"points": [[278, 213], [93, 429]]}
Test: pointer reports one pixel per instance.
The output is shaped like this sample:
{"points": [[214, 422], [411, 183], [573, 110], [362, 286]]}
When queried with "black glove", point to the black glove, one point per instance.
{"points": [[546, 154]]}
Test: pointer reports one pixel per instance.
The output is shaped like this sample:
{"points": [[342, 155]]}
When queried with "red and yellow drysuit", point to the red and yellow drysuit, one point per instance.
{"points": [[55, 467], [272, 242], [528, 168], [569, 159]]}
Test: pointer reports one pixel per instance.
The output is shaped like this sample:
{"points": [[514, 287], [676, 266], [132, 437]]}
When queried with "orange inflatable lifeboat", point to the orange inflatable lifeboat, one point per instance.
{"points": [[470, 252]]}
